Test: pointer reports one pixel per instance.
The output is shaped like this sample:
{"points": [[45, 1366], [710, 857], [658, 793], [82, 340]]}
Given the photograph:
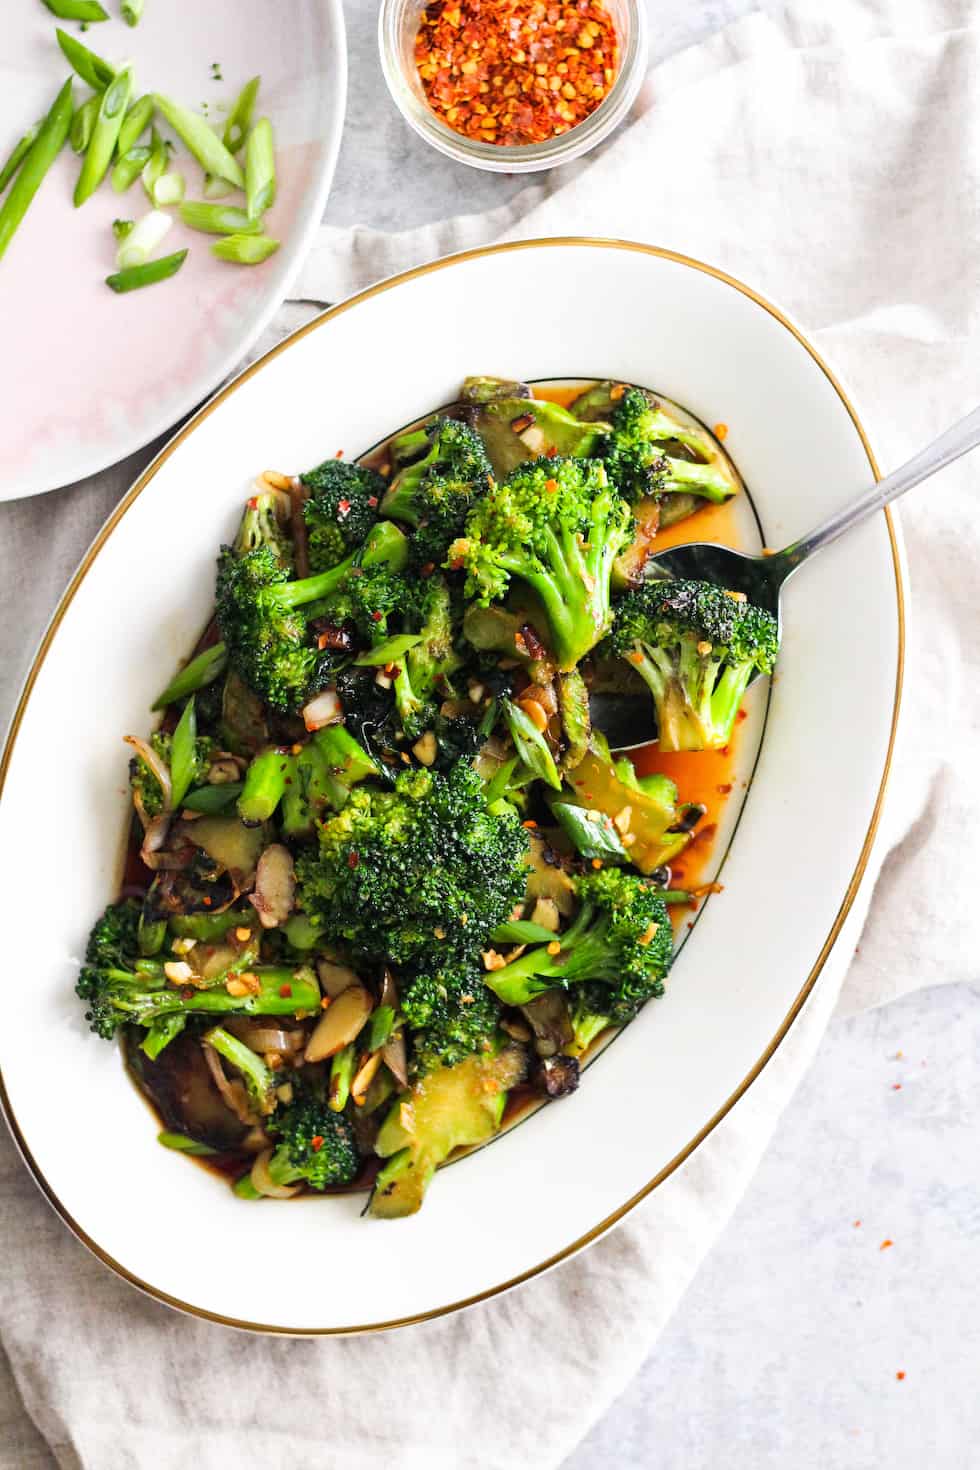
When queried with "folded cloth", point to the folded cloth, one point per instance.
{"points": [[828, 155]]}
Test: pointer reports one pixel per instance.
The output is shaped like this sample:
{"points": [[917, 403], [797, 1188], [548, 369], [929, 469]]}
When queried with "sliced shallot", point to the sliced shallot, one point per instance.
{"points": [[324, 709]]}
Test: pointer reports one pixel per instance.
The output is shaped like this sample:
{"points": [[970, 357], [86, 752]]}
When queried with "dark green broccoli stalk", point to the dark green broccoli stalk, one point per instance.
{"points": [[417, 874], [260, 1081], [637, 460], [621, 936], [263, 619], [263, 523], [317, 1145], [697, 647], [436, 492], [432, 660], [558, 526], [450, 1013], [341, 509]]}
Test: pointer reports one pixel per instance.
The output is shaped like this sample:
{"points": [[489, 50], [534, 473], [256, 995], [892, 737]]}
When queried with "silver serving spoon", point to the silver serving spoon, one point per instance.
{"points": [[628, 721]]}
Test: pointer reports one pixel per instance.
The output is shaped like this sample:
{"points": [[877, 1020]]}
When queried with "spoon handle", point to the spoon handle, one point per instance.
{"points": [[958, 440]]}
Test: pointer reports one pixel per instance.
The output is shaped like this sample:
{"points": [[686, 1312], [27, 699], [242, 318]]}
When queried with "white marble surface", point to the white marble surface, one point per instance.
{"points": [[785, 1352]]}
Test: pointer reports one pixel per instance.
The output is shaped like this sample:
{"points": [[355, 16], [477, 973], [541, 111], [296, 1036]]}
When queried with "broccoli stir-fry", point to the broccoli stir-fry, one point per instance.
{"points": [[384, 871]]}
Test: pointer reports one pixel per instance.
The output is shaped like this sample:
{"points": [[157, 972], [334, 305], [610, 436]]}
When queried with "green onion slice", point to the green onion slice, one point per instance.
{"points": [[137, 276]]}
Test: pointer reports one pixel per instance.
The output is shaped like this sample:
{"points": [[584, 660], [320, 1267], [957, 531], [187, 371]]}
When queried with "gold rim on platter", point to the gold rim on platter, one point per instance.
{"points": [[842, 913]]}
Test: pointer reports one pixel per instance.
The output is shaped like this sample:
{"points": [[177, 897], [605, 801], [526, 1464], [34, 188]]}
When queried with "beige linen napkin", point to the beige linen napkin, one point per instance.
{"points": [[829, 156]]}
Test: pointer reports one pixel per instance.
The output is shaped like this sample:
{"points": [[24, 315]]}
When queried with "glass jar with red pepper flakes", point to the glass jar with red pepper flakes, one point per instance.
{"points": [[516, 71], [513, 85]]}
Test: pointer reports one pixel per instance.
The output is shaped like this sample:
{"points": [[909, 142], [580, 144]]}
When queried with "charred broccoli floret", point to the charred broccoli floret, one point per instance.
{"points": [[557, 525], [417, 874], [317, 1146], [341, 509], [637, 455], [697, 647], [621, 935], [450, 1013]]}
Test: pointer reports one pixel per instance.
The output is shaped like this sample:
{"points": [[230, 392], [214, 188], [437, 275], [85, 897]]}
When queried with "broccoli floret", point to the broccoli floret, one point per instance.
{"points": [[340, 511], [263, 524], [145, 787], [318, 1147], [264, 617], [697, 647], [120, 987], [366, 598], [114, 940], [418, 874], [557, 525], [590, 1012], [621, 936], [450, 1014], [260, 1081], [638, 463], [436, 491], [430, 661]]}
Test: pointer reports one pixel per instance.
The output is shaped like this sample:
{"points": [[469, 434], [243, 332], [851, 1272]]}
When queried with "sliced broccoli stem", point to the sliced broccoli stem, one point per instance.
{"points": [[265, 786], [727, 698], [282, 992], [259, 1080], [345, 755], [685, 477], [295, 812], [161, 1034], [678, 724], [209, 927]]}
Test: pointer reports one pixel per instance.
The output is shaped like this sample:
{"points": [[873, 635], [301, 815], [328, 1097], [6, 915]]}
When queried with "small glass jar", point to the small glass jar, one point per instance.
{"points": [[398, 25]]}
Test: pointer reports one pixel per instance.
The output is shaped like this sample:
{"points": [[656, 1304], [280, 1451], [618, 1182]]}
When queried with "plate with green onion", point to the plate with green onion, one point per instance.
{"points": [[163, 167]]}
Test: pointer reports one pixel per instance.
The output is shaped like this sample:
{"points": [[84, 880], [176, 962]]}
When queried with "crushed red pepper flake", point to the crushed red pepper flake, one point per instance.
{"points": [[886, 1244], [316, 1142], [285, 990], [900, 1374], [515, 71]]}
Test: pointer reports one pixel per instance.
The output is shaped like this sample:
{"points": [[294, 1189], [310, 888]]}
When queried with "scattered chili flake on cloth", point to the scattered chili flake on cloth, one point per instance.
{"points": [[515, 71]]}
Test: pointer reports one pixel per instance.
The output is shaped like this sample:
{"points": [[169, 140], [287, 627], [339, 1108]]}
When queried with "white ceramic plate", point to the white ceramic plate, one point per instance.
{"points": [[556, 1182], [100, 375]]}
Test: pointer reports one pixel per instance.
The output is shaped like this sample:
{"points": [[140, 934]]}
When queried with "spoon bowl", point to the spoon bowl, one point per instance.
{"points": [[628, 721]]}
